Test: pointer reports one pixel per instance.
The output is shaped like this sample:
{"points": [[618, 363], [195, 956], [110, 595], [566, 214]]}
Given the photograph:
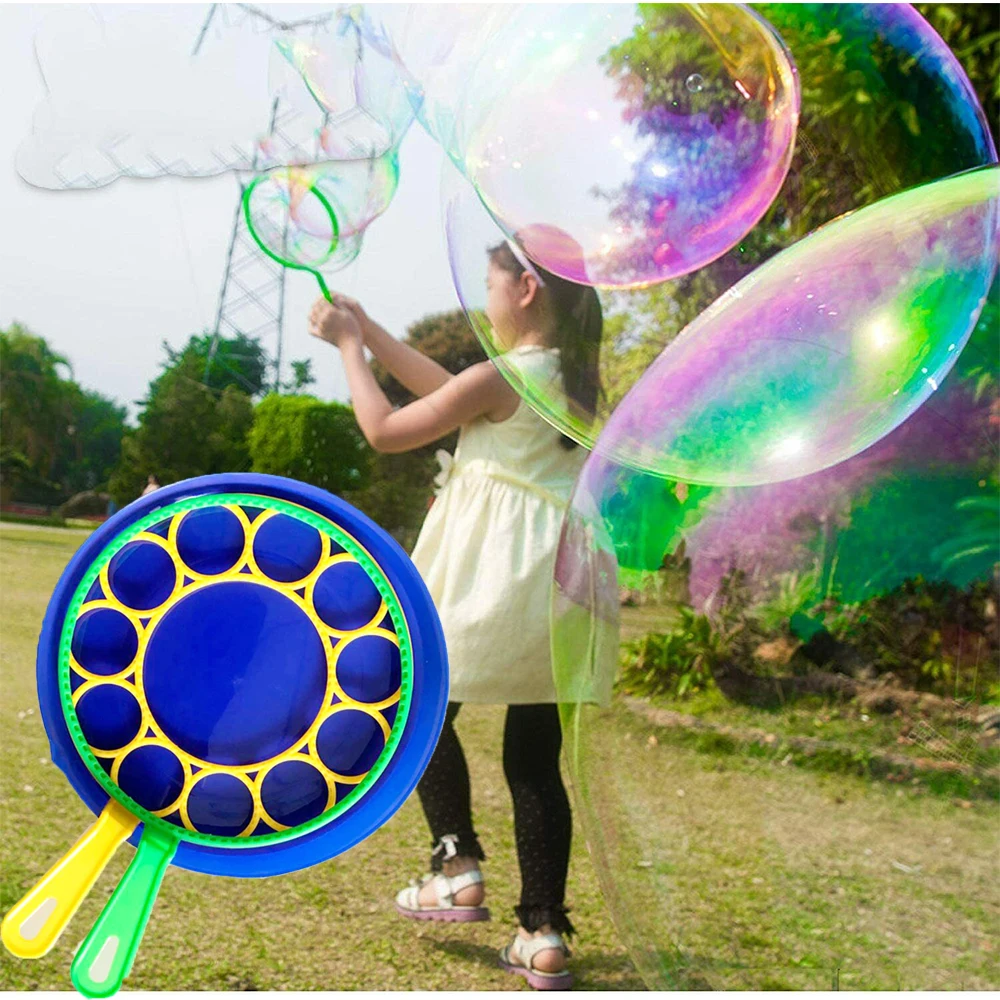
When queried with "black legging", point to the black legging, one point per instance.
{"points": [[542, 823]]}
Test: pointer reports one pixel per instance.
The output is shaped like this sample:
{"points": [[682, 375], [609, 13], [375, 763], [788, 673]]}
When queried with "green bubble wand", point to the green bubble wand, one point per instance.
{"points": [[300, 232]]}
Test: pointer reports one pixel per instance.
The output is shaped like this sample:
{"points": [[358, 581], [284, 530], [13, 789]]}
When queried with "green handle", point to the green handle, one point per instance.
{"points": [[322, 286], [106, 955]]}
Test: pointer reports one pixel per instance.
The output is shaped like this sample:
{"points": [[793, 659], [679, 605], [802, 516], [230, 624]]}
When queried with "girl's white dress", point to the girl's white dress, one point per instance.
{"points": [[488, 545]]}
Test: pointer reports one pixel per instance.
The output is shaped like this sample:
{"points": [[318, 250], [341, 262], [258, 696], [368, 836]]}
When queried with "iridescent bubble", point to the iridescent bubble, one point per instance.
{"points": [[783, 758], [654, 135], [315, 217], [913, 119], [345, 71], [435, 48], [822, 350]]}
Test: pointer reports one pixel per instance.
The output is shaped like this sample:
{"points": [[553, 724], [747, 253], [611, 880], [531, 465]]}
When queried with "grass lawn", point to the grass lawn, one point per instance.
{"points": [[758, 864], [749, 867], [764, 876], [331, 927]]}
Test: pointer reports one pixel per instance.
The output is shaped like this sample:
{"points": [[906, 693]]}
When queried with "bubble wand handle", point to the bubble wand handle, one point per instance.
{"points": [[322, 287], [33, 926], [106, 955]]}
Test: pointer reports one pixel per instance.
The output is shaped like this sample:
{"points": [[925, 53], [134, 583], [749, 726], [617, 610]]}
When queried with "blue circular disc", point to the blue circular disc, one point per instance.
{"points": [[104, 641], [286, 550], [368, 668], [220, 804], [350, 741], [151, 775], [110, 717], [235, 673], [142, 575], [211, 540], [345, 597], [293, 792]]}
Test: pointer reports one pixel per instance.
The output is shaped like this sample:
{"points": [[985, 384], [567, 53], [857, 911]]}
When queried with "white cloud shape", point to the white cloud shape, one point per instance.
{"points": [[191, 90]]}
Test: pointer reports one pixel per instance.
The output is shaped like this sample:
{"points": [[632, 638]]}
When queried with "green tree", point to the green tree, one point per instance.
{"points": [[302, 376], [68, 438], [304, 438], [33, 411], [972, 32], [92, 446], [238, 361], [186, 428]]}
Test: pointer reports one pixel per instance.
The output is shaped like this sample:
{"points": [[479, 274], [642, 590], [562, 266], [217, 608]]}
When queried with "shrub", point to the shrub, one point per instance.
{"points": [[306, 439]]}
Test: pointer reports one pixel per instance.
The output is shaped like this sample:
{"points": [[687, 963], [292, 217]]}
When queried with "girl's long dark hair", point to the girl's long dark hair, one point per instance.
{"points": [[579, 324]]}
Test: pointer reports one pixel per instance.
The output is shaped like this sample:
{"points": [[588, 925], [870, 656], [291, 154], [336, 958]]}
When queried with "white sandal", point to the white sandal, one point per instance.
{"points": [[445, 888], [519, 958]]}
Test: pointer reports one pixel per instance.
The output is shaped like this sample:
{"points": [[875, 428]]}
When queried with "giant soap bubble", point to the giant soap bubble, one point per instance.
{"points": [[789, 775], [347, 74], [822, 350], [885, 108], [435, 48], [655, 136], [810, 359]]}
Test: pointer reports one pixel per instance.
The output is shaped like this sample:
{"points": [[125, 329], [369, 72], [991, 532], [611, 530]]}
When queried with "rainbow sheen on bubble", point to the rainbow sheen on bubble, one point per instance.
{"points": [[822, 350], [347, 74], [316, 217], [885, 108], [655, 136], [435, 48], [786, 774]]}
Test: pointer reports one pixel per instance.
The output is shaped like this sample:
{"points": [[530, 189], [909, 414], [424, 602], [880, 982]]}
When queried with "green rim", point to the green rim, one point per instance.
{"points": [[334, 241], [321, 524]]}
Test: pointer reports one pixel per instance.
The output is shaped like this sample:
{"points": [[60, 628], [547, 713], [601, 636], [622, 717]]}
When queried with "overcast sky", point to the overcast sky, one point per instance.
{"points": [[106, 275]]}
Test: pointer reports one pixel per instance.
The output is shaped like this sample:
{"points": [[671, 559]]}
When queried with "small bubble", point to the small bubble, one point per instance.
{"points": [[695, 83]]}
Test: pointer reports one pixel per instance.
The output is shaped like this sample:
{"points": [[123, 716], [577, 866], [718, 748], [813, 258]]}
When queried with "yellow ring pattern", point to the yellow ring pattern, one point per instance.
{"points": [[187, 582]]}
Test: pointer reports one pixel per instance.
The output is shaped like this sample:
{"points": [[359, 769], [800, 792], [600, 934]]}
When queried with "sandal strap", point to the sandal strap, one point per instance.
{"points": [[445, 887], [463, 881], [527, 950]]}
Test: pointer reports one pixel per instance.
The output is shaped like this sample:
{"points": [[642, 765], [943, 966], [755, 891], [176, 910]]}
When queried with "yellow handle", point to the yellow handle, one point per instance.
{"points": [[33, 926]]}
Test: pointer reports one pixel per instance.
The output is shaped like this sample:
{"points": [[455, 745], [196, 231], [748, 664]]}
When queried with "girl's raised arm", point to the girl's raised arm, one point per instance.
{"points": [[477, 392], [419, 373]]}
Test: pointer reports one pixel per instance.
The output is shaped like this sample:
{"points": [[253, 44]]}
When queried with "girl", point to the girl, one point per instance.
{"points": [[486, 552]]}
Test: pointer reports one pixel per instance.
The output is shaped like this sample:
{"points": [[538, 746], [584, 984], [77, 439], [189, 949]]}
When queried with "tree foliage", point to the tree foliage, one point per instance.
{"points": [[187, 428], [304, 438], [58, 438], [219, 362]]}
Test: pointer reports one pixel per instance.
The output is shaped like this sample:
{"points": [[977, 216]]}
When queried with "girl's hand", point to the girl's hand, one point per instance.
{"points": [[358, 310], [335, 324]]}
